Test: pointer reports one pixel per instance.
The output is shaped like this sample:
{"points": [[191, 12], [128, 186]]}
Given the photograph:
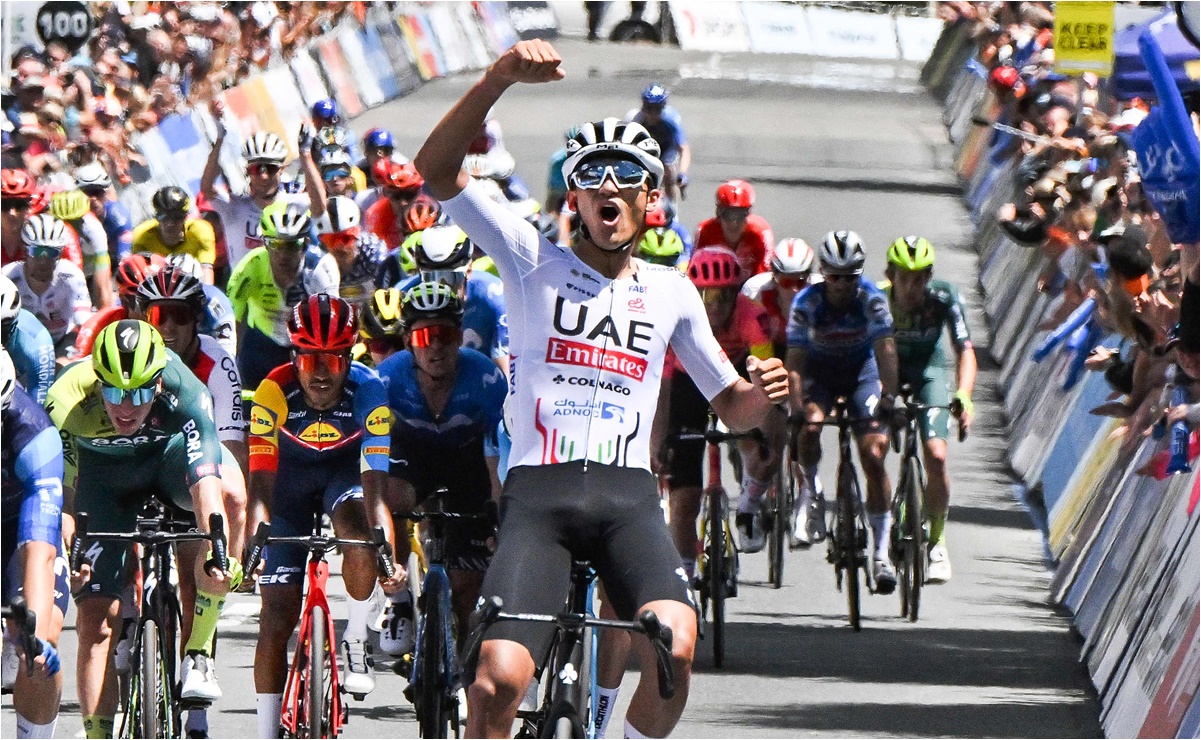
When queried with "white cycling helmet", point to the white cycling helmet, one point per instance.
{"points": [[341, 214], [8, 379], [792, 257], [92, 175], [442, 248], [334, 157], [265, 146], [188, 264], [842, 252], [10, 299], [44, 230], [614, 136]]}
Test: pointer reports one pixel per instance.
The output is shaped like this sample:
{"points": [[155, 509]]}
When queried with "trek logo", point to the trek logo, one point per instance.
{"points": [[565, 352], [604, 385]]}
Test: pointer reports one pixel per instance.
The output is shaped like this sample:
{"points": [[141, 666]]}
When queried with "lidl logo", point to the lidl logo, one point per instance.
{"points": [[379, 422], [319, 433], [262, 422]]}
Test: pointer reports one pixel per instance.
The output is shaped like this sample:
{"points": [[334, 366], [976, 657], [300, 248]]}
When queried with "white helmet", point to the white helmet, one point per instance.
{"points": [[8, 379], [187, 263], [442, 248], [92, 175], [842, 252], [10, 299], [792, 257], [44, 230], [265, 146], [341, 214], [334, 157], [616, 136]]}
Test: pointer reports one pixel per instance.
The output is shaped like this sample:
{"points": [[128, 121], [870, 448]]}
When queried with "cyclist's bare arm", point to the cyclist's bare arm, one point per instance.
{"points": [[375, 482], [212, 166], [744, 405], [258, 492], [886, 363], [966, 361], [440, 160], [39, 583], [794, 361]]}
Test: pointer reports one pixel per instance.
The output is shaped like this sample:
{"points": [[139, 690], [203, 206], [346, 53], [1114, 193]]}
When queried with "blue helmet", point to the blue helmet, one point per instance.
{"points": [[654, 94], [325, 110], [378, 138]]}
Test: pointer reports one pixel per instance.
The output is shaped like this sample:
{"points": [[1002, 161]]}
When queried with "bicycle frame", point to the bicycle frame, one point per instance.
{"points": [[295, 716]]}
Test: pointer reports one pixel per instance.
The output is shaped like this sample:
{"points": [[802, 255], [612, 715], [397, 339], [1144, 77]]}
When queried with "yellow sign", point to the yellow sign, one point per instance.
{"points": [[319, 432], [379, 422], [1084, 37]]}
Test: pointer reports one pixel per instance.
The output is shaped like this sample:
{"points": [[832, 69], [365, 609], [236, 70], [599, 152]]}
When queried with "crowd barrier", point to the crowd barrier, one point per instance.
{"points": [[360, 65], [1120, 529]]}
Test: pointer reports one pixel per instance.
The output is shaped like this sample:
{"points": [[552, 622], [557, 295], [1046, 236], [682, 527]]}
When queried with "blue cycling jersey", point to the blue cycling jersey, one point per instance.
{"points": [[485, 322], [839, 339], [31, 480], [118, 225], [669, 131], [473, 410], [32, 353]]}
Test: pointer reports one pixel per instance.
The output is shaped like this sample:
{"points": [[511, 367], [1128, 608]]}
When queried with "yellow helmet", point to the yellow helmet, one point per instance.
{"points": [[69, 205]]}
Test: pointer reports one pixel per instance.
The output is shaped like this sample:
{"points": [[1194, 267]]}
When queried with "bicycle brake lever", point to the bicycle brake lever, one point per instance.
{"points": [[383, 551], [220, 559], [661, 639], [81, 533], [27, 623], [257, 543]]}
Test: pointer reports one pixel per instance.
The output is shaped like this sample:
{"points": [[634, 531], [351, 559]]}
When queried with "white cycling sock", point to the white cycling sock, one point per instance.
{"points": [[631, 732], [753, 487], [267, 709], [198, 719], [25, 728], [358, 612], [606, 702], [881, 529]]}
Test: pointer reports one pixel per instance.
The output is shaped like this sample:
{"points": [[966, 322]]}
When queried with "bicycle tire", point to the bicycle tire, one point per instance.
{"points": [[717, 579], [432, 678], [850, 543], [915, 552], [319, 711], [149, 706], [898, 548], [781, 509]]}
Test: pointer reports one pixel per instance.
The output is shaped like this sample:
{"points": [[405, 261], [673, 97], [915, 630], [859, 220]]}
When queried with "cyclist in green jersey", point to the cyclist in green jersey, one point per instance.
{"points": [[922, 308], [134, 422]]}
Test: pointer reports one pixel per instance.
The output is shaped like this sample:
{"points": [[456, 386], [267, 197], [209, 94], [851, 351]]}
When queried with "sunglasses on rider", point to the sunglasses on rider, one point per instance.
{"points": [[137, 396], [733, 214], [401, 193], [714, 296], [385, 345], [285, 245], [625, 174], [791, 282], [339, 240], [95, 191], [263, 168], [427, 335], [334, 363], [334, 174], [453, 279], [171, 218], [837, 277], [382, 151], [175, 312], [44, 252]]}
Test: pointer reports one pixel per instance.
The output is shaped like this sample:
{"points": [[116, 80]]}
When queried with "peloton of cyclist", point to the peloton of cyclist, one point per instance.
{"points": [[135, 420], [172, 232], [590, 331], [922, 308], [791, 271], [32, 563], [735, 227], [401, 187], [52, 289], [360, 254], [840, 343], [447, 401], [313, 419]]}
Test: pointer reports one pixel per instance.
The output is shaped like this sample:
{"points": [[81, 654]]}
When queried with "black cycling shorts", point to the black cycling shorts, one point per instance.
{"points": [[552, 514], [689, 412]]}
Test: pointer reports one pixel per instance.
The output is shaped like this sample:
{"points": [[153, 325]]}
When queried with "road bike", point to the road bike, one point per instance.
{"points": [[909, 543], [312, 705], [433, 681], [568, 699], [152, 703]]}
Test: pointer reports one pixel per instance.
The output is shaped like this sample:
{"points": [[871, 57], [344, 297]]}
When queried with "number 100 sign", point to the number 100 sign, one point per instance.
{"points": [[66, 21]]}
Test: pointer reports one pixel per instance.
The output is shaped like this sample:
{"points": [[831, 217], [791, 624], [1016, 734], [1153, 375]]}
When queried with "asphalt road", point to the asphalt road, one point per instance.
{"points": [[828, 144]]}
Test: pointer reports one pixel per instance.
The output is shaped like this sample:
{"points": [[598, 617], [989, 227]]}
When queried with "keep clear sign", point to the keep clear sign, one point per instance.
{"points": [[1084, 37]]}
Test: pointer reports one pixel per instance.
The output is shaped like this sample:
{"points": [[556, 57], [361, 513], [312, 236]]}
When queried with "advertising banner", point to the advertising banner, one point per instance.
{"points": [[396, 46], [498, 28], [533, 20], [425, 53], [777, 28], [362, 72], [450, 38], [378, 61], [840, 33], [710, 26], [340, 77], [309, 80]]}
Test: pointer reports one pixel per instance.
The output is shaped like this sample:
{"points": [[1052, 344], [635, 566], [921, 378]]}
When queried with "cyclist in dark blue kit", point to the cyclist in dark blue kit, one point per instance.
{"points": [[446, 401], [32, 486], [28, 343]]}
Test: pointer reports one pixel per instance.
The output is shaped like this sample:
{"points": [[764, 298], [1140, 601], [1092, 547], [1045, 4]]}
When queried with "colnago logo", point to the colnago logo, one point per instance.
{"points": [[565, 352]]}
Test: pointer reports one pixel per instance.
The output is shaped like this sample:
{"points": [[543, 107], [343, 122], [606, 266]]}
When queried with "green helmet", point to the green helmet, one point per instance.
{"points": [[407, 261], [430, 300], [911, 253], [285, 220], [661, 246], [70, 205], [128, 354]]}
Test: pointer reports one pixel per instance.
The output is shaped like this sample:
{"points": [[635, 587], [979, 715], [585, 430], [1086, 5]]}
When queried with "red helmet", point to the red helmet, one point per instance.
{"points": [[40, 200], [1004, 78], [133, 269], [16, 184], [422, 215], [714, 267], [380, 170], [736, 194], [403, 177], [656, 217], [323, 323]]}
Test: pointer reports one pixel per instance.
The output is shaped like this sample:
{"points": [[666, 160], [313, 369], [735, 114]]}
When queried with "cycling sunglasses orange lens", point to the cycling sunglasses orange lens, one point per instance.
{"points": [[332, 362], [427, 335], [176, 313]]}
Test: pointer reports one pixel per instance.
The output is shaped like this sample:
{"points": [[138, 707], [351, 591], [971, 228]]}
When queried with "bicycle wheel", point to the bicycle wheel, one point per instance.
{"points": [[154, 700], [915, 555], [847, 495], [432, 711], [780, 508], [318, 710], [716, 547]]}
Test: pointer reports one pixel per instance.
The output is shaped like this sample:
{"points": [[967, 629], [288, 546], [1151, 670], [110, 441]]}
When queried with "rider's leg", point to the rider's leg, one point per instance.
{"points": [[36, 698], [873, 447], [233, 491], [808, 455], [360, 572], [505, 669], [97, 619], [464, 594], [277, 621], [613, 654], [685, 508], [938, 486], [759, 463], [649, 714]]}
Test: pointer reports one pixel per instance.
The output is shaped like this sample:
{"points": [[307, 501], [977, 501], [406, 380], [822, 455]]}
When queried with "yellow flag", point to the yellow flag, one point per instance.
{"points": [[1084, 37]]}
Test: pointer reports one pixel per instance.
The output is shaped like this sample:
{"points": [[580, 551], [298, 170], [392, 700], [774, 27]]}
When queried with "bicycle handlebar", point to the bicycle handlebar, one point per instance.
{"points": [[318, 543], [490, 612], [150, 537], [18, 611]]}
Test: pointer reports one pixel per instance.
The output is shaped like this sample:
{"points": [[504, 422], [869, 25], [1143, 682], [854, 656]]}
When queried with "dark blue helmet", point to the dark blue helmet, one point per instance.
{"points": [[655, 94], [325, 110], [378, 138]]}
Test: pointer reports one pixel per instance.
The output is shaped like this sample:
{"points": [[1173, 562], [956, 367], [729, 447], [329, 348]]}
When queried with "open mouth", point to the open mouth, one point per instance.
{"points": [[609, 214]]}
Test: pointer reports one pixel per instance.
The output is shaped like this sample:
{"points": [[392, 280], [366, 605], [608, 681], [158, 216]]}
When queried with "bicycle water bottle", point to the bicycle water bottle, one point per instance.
{"points": [[1178, 459]]}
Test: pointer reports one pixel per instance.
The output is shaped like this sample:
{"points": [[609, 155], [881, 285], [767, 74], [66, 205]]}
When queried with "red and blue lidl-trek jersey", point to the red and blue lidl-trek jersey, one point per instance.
{"points": [[839, 340], [283, 426]]}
